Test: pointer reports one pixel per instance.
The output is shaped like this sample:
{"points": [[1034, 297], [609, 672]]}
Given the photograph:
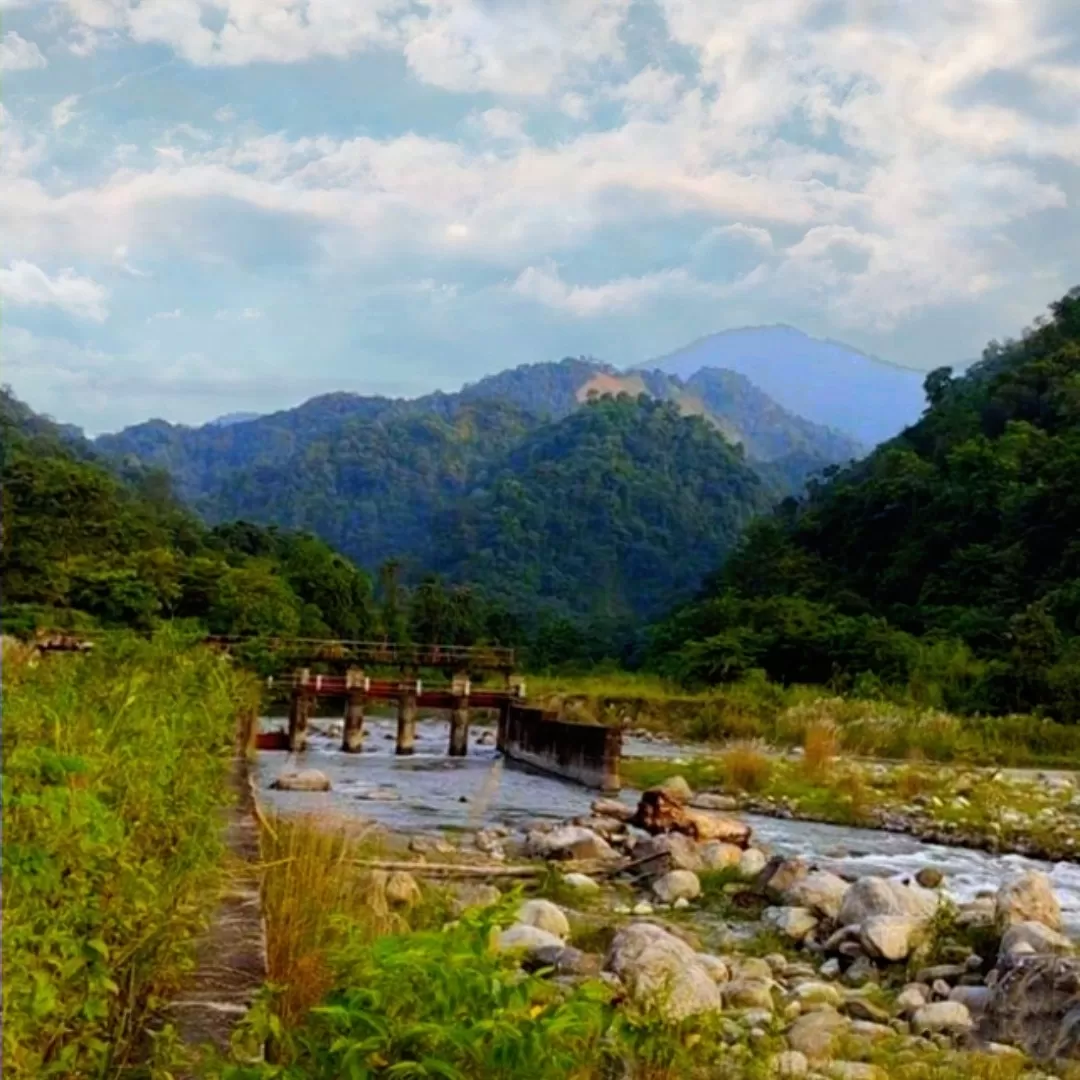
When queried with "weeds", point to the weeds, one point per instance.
{"points": [[115, 766], [821, 745], [745, 766]]}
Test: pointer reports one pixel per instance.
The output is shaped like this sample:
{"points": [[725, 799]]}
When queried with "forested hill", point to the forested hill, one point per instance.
{"points": [[608, 513], [949, 560]]}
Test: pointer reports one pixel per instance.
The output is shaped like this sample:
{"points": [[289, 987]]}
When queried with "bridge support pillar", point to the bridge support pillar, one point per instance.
{"points": [[459, 717], [352, 739], [299, 713], [406, 719]]}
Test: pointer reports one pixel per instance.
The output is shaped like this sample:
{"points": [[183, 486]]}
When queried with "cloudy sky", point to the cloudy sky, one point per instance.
{"points": [[217, 205]]}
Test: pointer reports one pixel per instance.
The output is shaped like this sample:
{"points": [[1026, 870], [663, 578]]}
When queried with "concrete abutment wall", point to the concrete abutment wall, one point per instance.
{"points": [[587, 753]]}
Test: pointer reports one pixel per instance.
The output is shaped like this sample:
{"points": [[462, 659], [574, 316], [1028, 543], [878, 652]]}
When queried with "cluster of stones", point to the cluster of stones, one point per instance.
{"points": [[848, 937]]}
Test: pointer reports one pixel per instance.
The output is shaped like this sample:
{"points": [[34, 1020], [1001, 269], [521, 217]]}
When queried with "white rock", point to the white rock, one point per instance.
{"points": [[791, 1065], [581, 882], [818, 993], [909, 999], [891, 937], [748, 994], [714, 966], [819, 891], [1028, 898], [716, 855], [942, 1016], [544, 915], [661, 971], [677, 885], [681, 904], [305, 780], [751, 863], [568, 842], [871, 896], [642, 907], [527, 938], [795, 923], [1040, 938]]}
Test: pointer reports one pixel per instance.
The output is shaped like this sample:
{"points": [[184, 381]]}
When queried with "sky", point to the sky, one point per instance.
{"points": [[210, 206]]}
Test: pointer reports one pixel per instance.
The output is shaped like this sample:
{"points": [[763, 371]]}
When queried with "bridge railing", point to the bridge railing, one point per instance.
{"points": [[472, 657]]}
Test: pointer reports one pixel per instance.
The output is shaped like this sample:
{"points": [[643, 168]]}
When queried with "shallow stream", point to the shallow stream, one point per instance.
{"points": [[429, 792]]}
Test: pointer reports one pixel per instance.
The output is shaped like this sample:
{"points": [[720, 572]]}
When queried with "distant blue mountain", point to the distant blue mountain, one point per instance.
{"points": [[824, 381], [233, 418]]}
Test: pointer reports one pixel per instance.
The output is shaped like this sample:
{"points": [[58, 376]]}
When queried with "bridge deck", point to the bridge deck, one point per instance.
{"points": [[431, 697]]}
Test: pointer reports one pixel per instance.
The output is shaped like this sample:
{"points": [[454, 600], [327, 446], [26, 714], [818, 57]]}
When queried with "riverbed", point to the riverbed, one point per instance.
{"points": [[429, 792]]}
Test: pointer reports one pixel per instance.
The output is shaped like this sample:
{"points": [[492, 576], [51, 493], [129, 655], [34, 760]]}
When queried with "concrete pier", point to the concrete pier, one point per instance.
{"points": [[299, 713], [459, 716], [352, 739], [406, 718]]}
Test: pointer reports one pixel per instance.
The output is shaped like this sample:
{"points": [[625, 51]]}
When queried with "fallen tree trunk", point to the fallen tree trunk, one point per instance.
{"points": [[658, 812]]}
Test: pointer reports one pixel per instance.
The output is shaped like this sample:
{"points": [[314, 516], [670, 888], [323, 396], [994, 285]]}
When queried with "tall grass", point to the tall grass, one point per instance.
{"points": [[745, 766], [115, 766]]}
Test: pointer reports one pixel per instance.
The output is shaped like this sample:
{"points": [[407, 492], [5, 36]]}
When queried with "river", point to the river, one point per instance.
{"points": [[430, 792]]}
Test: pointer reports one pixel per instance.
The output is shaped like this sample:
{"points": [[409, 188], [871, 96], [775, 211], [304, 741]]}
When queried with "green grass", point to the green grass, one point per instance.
{"points": [[114, 768], [783, 716]]}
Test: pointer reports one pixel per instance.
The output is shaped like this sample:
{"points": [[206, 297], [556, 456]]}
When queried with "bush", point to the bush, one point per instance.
{"points": [[745, 766], [114, 768]]}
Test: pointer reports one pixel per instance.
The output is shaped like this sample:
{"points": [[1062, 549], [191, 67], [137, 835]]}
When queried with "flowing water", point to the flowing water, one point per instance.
{"points": [[429, 792]]}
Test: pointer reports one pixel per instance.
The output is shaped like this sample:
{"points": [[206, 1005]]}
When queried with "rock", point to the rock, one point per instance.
{"points": [[819, 891], [486, 738], [1041, 939], [661, 971], [708, 800], [790, 1064], [380, 794], [779, 875], [818, 993], [813, 1034], [747, 994], [565, 960], [861, 972], [658, 812], [675, 787], [612, 808], [871, 896], [866, 1011], [544, 915], [929, 877], [855, 1070], [1035, 1004], [751, 967], [795, 923], [716, 855], [1027, 898], [305, 780], [909, 999], [752, 863], [951, 1016], [528, 939], [568, 842], [830, 969], [402, 890], [891, 937], [474, 894], [642, 907], [430, 845], [715, 967], [942, 972], [681, 903], [677, 885], [671, 851], [581, 883], [975, 998]]}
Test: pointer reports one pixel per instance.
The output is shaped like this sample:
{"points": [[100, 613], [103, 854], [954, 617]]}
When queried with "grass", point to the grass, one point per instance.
{"points": [[745, 766], [789, 716], [115, 766]]}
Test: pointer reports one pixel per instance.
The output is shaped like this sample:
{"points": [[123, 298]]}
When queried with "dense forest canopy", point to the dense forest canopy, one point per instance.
{"points": [[948, 561]]}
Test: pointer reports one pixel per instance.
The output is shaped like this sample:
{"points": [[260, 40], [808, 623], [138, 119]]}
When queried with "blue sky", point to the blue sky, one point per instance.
{"points": [[219, 205]]}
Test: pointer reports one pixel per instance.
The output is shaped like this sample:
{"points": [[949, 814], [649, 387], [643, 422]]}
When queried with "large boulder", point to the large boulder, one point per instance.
{"points": [[779, 875], [526, 939], [1022, 936], [891, 937], [1035, 1004], [304, 780], [669, 851], [612, 808], [658, 812], [819, 891], [1028, 898], [544, 915], [951, 1016], [871, 896], [751, 864], [710, 800], [676, 787], [568, 842], [677, 885], [662, 972]]}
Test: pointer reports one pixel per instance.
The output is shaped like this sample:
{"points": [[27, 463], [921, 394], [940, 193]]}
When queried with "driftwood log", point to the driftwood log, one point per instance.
{"points": [[658, 812]]}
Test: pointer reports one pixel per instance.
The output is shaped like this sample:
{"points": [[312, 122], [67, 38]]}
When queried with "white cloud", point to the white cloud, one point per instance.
{"points": [[18, 54], [23, 284], [63, 112], [739, 233], [248, 314], [166, 316]]}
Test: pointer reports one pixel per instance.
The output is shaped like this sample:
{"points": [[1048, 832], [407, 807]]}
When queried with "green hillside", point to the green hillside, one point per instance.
{"points": [[948, 561]]}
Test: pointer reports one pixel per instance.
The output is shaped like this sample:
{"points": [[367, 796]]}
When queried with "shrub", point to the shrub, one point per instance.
{"points": [[745, 766]]}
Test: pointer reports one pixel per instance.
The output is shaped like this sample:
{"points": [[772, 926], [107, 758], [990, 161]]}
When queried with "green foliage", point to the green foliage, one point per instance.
{"points": [[114, 768], [945, 566]]}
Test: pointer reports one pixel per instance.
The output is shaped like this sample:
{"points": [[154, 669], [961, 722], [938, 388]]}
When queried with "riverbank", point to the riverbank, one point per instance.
{"points": [[782, 716]]}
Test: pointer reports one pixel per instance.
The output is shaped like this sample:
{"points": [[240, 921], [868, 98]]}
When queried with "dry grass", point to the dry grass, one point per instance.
{"points": [[911, 781], [821, 745], [311, 881], [745, 766]]}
